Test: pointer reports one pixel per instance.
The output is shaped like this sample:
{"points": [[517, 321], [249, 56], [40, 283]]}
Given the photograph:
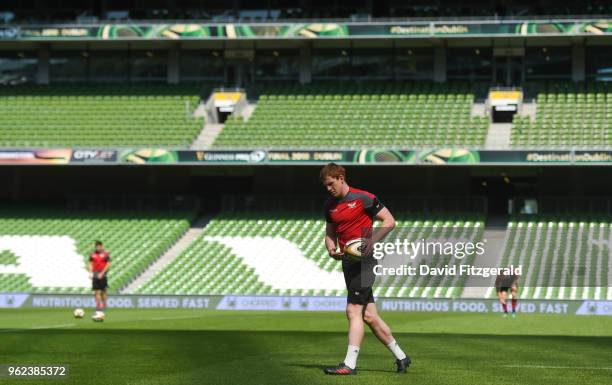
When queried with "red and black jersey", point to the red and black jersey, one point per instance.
{"points": [[352, 214], [99, 260], [503, 280]]}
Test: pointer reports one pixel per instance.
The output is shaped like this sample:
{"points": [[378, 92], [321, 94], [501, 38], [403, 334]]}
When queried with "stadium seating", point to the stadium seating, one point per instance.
{"points": [[258, 253], [568, 115], [563, 257], [97, 115], [46, 251], [357, 115]]}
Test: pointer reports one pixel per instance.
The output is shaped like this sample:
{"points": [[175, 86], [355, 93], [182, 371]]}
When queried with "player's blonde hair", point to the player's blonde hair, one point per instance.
{"points": [[332, 170]]}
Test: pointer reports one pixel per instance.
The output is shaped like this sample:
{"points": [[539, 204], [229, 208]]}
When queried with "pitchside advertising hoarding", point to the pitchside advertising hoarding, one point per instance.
{"points": [[437, 156], [246, 31], [294, 303]]}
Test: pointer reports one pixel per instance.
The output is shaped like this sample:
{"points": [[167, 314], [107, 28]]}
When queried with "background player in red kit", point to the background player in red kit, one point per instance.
{"points": [[349, 214], [503, 283], [99, 263]]}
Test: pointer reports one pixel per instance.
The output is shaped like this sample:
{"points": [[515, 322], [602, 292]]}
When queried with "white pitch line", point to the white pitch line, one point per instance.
{"points": [[172, 318], [38, 328], [52, 326], [560, 367]]}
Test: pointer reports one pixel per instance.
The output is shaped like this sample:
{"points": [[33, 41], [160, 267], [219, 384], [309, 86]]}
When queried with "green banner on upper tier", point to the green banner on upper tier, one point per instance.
{"points": [[305, 30], [433, 157], [439, 156]]}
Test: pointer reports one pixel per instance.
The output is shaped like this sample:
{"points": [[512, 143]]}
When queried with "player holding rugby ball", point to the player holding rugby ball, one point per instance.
{"points": [[349, 214]]}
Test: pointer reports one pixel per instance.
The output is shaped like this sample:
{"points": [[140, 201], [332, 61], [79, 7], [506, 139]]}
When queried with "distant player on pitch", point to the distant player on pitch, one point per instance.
{"points": [[349, 213], [503, 283], [99, 263]]}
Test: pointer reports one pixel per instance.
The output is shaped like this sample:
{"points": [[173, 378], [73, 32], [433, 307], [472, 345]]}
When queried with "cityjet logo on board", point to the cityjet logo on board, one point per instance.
{"points": [[94, 156]]}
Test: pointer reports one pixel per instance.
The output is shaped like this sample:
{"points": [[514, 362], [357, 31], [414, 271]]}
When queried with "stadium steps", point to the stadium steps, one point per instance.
{"points": [[563, 257], [495, 237], [214, 263], [529, 110], [190, 235], [248, 111], [479, 109], [200, 111], [257, 253], [498, 136], [207, 136]]}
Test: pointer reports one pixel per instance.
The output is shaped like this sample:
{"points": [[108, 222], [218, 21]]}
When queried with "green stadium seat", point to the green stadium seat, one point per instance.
{"points": [[358, 115], [97, 115], [134, 240]]}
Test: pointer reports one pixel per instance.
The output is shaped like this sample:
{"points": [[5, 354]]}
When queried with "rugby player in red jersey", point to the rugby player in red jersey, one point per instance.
{"points": [[349, 214], [503, 283], [99, 263]]}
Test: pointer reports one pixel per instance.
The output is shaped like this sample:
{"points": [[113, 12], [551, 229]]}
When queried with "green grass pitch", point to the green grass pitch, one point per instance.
{"points": [[227, 347]]}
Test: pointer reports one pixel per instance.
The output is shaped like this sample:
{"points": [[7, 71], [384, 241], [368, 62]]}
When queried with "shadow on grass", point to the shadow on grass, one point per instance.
{"points": [[321, 367]]}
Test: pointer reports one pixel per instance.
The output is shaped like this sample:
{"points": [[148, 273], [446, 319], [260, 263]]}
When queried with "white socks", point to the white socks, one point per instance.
{"points": [[353, 351], [351, 356], [396, 350]]}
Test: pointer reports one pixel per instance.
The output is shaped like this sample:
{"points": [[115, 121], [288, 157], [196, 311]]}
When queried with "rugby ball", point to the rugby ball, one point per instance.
{"points": [[354, 249], [78, 313], [98, 316]]}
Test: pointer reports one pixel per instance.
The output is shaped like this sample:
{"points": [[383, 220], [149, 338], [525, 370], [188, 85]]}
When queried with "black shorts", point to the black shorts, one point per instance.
{"points": [[359, 279], [503, 288], [99, 284]]}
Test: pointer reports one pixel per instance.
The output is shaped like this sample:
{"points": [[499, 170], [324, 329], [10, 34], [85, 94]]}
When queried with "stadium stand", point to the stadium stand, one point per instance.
{"points": [[258, 253], [568, 114], [241, 10], [354, 115], [563, 256], [53, 247], [98, 115]]}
